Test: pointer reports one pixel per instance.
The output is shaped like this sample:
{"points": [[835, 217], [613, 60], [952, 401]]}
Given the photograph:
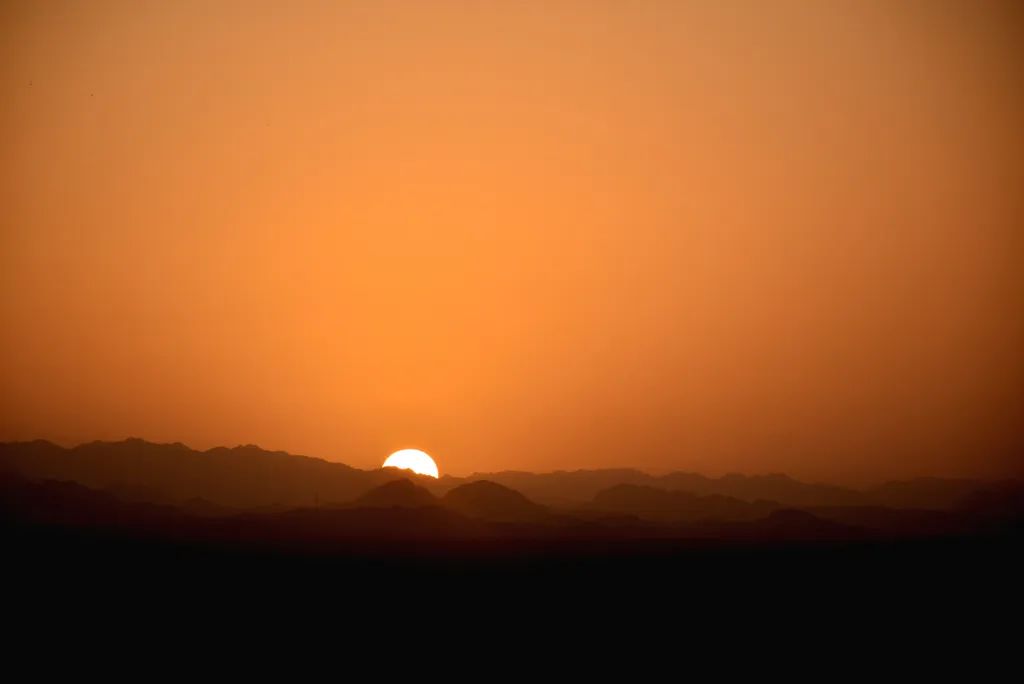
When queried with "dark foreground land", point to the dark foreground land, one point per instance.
{"points": [[562, 598], [68, 568], [800, 603]]}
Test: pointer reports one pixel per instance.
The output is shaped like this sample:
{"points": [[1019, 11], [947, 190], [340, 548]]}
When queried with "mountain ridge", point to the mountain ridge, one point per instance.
{"points": [[247, 476]]}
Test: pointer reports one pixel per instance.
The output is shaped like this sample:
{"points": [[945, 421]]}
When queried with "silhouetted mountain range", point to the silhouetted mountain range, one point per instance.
{"points": [[241, 477], [275, 495], [249, 477]]}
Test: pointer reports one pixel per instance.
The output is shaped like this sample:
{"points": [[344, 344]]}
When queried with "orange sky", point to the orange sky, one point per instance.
{"points": [[714, 236]]}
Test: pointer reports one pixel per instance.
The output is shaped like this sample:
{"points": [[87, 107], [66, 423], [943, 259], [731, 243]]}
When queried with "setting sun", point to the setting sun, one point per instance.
{"points": [[414, 460]]}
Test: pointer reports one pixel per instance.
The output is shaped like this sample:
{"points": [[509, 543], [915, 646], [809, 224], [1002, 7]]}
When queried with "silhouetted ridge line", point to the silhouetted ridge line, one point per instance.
{"points": [[248, 477], [239, 477]]}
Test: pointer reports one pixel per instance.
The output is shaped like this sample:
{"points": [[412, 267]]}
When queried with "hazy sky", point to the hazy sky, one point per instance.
{"points": [[713, 236]]}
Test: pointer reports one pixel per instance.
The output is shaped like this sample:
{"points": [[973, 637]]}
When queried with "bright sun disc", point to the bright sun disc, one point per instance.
{"points": [[414, 460]]}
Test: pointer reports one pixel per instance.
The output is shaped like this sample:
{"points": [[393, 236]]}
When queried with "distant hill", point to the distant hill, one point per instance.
{"points": [[570, 488], [69, 503], [556, 489], [774, 487], [1001, 503], [660, 504], [491, 501], [894, 522], [400, 493], [789, 524], [930, 493]]}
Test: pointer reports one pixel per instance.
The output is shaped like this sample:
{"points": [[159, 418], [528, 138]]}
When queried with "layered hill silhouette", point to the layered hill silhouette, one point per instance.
{"points": [[247, 477], [650, 502], [398, 493], [394, 512], [481, 500], [397, 527], [241, 477], [491, 501], [400, 511], [250, 495]]}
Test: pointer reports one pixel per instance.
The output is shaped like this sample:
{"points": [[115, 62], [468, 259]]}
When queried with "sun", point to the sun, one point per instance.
{"points": [[414, 460]]}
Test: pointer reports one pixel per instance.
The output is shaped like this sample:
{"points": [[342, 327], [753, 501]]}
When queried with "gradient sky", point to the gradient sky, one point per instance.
{"points": [[713, 236]]}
